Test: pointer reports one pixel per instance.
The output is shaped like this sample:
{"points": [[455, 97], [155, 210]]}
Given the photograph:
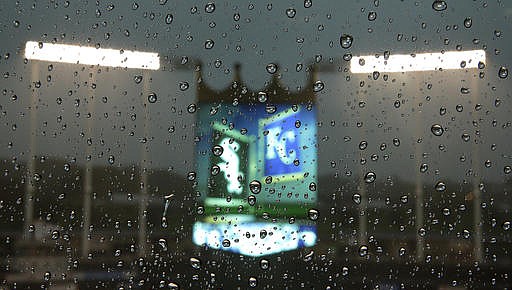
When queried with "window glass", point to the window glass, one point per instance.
{"points": [[279, 144]]}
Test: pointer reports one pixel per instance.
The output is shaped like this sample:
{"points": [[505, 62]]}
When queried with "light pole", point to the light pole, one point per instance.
{"points": [[423, 62], [81, 55]]}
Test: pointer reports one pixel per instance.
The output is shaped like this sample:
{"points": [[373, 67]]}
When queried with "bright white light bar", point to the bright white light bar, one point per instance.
{"points": [[91, 56], [246, 238], [417, 62]]}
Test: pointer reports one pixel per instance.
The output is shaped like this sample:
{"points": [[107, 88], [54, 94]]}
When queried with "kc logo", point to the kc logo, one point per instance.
{"points": [[276, 145]]}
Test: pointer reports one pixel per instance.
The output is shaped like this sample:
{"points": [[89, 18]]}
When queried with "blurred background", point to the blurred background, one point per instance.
{"points": [[101, 178]]}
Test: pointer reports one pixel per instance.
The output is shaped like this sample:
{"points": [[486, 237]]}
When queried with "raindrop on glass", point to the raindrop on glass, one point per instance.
{"points": [[440, 186], [370, 177], [152, 98], [290, 12], [439, 5], [313, 214], [346, 41], [437, 130], [195, 263], [255, 186], [217, 150], [503, 72]]}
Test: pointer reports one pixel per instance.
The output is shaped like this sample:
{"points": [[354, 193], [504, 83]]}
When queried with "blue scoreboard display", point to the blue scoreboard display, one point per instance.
{"points": [[256, 176]]}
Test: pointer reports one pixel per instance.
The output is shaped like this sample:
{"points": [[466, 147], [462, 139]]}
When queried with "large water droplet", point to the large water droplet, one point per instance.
{"points": [[468, 22], [251, 199], [209, 44], [217, 150], [356, 198], [271, 68], [439, 5], [264, 264], [440, 186], [195, 263], [313, 214], [262, 97], [503, 72], [437, 130], [253, 282], [346, 41], [169, 18], [162, 243], [152, 98], [372, 15], [210, 7], [370, 177], [363, 251], [290, 12], [255, 186], [318, 86]]}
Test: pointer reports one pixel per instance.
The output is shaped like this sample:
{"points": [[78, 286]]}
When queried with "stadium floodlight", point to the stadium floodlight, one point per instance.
{"points": [[448, 60], [85, 55]]}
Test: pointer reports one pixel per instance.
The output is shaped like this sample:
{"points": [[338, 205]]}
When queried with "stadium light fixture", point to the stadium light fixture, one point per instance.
{"points": [[76, 54], [449, 60]]}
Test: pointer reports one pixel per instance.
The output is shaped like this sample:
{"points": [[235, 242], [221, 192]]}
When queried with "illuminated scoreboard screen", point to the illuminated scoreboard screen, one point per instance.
{"points": [[256, 177]]}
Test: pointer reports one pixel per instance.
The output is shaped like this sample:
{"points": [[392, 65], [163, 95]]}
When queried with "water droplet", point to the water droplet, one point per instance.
{"points": [[215, 170], [55, 235], [313, 214], [183, 86], [465, 137], [152, 98], [111, 159], [251, 199], [396, 142], [346, 41], [423, 167], [271, 68], [226, 243], [209, 44], [191, 108], [163, 244], [169, 18], [465, 91], [363, 145], [356, 198], [270, 109], [422, 232], [372, 15], [468, 22], [217, 150], [200, 210], [363, 251], [137, 79], [506, 225], [370, 177], [312, 186], [503, 72], [47, 276], [439, 5], [262, 97], [191, 176], [318, 86], [290, 12], [195, 263], [264, 264], [297, 124], [440, 186], [255, 186], [507, 169], [437, 130], [308, 3], [210, 7], [253, 282], [263, 234], [466, 234]]}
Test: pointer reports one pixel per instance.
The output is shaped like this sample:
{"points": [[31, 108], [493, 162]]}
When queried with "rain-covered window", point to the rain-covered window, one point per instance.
{"points": [[274, 145]]}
